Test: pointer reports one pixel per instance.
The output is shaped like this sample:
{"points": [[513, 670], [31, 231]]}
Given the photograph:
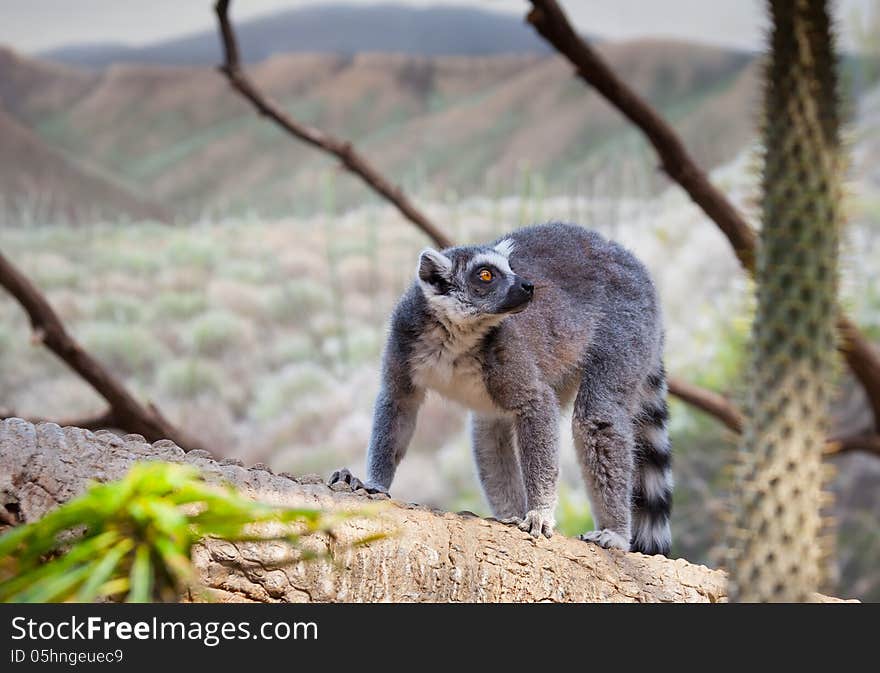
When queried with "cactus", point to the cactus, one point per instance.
{"points": [[777, 548]]}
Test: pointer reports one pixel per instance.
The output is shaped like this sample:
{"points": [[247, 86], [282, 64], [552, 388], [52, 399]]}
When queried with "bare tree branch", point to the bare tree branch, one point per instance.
{"points": [[102, 421], [867, 443], [551, 22], [343, 150], [728, 413], [863, 360], [709, 402], [125, 412]]}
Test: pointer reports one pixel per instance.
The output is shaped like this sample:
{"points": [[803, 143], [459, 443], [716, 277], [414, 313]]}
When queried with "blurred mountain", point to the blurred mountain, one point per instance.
{"points": [[39, 181], [332, 28], [440, 125]]}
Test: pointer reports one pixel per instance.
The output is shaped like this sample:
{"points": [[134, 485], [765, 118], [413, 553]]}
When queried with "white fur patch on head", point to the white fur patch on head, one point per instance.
{"points": [[490, 257], [505, 247]]}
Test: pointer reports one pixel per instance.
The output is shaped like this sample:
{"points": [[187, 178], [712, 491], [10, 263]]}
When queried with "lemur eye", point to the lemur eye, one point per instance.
{"points": [[485, 275]]}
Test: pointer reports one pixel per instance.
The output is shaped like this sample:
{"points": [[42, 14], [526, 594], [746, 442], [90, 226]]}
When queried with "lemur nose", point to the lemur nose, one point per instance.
{"points": [[527, 286]]}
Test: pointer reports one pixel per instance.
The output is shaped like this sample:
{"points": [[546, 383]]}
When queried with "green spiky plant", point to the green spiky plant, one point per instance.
{"points": [[777, 543], [132, 539]]}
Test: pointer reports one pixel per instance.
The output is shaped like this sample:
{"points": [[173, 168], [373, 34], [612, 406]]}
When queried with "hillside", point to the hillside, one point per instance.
{"points": [[41, 184], [444, 125], [333, 29]]}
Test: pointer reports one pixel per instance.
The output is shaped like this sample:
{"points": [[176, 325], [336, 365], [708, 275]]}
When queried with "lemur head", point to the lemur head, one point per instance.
{"points": [[473, 283]]}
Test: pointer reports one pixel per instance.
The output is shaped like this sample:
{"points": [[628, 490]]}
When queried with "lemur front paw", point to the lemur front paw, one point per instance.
{"points": [[606, 538], [344, 476], [536, 522]]}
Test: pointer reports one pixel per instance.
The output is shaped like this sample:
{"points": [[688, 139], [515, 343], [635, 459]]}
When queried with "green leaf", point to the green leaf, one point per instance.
{"points": [[141, 576], [114, 587], [81, 552], [103, 570], [178, 565], [57, 587]]}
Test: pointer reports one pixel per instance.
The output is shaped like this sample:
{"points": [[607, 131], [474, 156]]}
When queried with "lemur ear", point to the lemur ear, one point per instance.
{"points": [[435, 269]]}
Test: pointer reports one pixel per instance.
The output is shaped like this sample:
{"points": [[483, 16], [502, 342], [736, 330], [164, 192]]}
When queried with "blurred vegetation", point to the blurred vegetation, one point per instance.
{"points": [[137, 536], [189, 378]]}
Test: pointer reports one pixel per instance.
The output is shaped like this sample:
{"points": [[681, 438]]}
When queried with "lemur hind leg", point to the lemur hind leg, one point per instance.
{"points": [[603, 437], [498, 465]]}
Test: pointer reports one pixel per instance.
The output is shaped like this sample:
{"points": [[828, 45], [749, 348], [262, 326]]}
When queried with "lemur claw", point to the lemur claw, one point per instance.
{"points": [[344, 476], [537, 522], [606, 538]]}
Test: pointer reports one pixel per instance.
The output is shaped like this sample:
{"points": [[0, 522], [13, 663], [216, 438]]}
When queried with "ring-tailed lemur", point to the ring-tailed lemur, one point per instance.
{"points": [[514, 330]]}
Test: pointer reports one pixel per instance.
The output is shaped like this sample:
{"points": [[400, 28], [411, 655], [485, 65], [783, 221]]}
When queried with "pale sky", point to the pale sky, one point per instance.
{"points": [[34, 25]]}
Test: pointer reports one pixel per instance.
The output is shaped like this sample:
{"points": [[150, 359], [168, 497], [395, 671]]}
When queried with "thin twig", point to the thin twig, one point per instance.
{"points": [[342, 149]]}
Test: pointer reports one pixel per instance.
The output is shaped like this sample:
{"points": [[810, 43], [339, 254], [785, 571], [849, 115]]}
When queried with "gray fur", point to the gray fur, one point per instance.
{"points": [[591, 333], [497, 458]]}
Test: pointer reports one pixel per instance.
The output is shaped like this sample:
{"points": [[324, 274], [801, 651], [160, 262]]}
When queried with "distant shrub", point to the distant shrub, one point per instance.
{"points": [[357, 272], [118, 308], [249, 270], [294, 348], [179, 305], [334, 349], [123, 348], [189, 378], [278, 394], [297, 300], [241, 298], [194, 252], [50, 271], [325, 325], [363, 343], [216, 331], [140, 260]]}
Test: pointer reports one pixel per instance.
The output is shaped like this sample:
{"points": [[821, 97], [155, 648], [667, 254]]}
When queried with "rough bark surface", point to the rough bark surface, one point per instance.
{"points": [[431, 556]]}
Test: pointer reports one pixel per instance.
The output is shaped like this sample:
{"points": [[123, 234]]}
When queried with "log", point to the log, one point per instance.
{"points": [[428, 556]]}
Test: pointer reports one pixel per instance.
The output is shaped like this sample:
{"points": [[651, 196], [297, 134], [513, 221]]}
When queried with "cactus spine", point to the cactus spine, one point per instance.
{"points": [[776, 546]]}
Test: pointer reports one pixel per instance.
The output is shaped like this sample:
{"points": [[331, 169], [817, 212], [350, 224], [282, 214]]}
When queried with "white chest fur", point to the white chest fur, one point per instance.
{"points": [[447, 364]]}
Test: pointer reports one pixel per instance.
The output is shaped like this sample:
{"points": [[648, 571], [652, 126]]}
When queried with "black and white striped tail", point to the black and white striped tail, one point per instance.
{"points": [[652, 483]]}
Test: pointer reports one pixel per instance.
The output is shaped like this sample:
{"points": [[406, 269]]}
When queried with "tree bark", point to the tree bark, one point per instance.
{"points": [[428, 556]]}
